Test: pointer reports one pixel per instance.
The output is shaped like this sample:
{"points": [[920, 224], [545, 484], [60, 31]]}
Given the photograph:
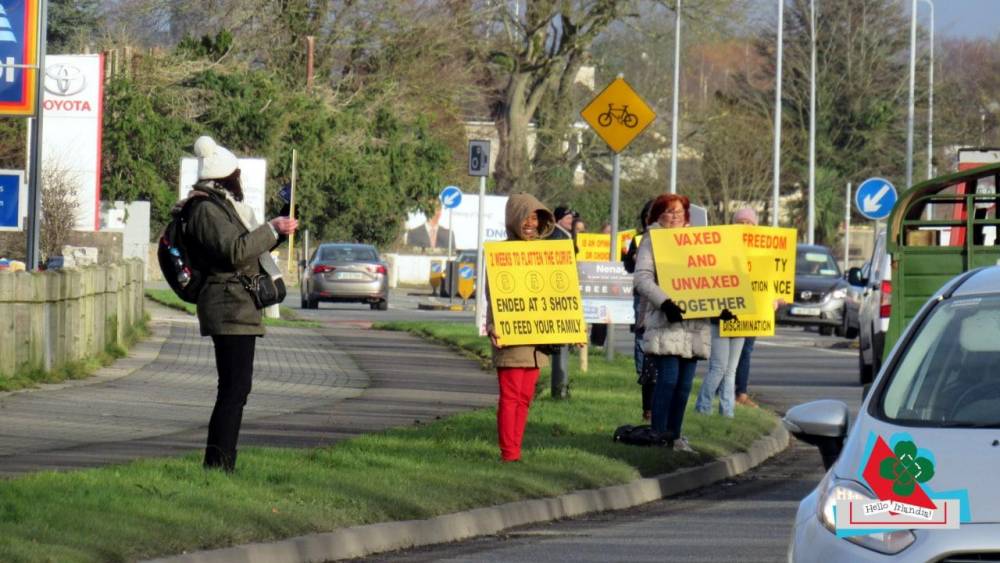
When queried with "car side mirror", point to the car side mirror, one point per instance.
{"points": [[854, 277], [822, 424]]}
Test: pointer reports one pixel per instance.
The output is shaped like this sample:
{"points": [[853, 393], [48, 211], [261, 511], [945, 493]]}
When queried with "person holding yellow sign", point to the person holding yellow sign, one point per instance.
{"points": [[672, 343], [518, 366], [725, 356]]}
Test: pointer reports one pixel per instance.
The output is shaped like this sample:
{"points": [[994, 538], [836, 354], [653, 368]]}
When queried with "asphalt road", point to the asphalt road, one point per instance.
{"points": [[746, 519]]}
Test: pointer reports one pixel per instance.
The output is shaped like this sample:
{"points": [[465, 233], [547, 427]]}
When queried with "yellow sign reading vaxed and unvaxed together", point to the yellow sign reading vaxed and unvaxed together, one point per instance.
{"points": [[534, 292], [740, 268], [703, 269]]}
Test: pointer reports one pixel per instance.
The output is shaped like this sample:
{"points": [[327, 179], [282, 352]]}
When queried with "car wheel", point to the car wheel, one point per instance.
{"points": [[866, 372], [382, 305], [826, 330]]}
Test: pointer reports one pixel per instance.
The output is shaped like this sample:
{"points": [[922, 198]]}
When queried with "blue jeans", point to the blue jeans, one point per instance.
{"points": [[674, 376], [743, 369], [721, 374]]}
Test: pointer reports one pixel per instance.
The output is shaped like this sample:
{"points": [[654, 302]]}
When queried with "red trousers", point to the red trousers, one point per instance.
{"points": [[517, 388]]}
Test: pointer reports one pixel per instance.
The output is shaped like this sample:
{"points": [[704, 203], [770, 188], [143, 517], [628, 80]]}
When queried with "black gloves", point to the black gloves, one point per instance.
{"points": [[672, 311], [726, 315]]}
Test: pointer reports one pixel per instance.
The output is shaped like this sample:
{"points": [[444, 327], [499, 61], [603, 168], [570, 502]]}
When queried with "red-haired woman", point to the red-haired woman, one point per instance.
{"points": [[674, 344]]}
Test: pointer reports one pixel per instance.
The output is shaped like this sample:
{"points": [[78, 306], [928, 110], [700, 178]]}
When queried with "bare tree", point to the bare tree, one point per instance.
{"points": [[60, 207]]}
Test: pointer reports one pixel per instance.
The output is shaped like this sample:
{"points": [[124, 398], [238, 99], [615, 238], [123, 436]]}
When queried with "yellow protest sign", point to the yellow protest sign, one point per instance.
{"points": [[770, 255], [593, 247], [534, 292], [624, 239], [703, 269]]}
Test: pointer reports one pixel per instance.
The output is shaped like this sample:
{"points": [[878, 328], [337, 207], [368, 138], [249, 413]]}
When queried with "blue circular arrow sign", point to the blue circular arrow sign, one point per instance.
{"points": [[466, 272], [875, 198], [450, 197]]}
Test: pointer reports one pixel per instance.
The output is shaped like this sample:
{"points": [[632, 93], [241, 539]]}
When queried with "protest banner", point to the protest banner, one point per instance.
{"points": [[770, 254], [704, 269], [593, 247], [534, 292], [606, 289]]}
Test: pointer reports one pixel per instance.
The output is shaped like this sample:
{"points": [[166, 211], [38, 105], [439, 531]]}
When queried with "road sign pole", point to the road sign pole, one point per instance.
{"points": [[609, 341], [480, 269], [35, 166], [291, 213], [847, 228]]}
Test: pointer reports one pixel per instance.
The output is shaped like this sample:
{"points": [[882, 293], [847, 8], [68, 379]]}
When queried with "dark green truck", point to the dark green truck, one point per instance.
{"points": [[930, 248]]}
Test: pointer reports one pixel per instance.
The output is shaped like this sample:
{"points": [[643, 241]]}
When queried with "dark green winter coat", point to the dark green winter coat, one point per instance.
{"points": [[221, 246]]}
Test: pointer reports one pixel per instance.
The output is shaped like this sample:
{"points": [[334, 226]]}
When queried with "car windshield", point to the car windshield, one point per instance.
{"points": [[948, 374], [347, 254], [816, 263]]}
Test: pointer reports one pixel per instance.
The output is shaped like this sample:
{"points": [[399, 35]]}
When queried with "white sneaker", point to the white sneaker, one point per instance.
{"points": [[681, 445]]}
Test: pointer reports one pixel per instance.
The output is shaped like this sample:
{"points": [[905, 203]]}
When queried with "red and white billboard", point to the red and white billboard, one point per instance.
{"points": [[73, 109]]}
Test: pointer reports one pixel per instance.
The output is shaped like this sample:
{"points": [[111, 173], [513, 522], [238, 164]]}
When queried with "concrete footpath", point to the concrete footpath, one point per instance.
{"points": [[307, 391], [312, 387]]}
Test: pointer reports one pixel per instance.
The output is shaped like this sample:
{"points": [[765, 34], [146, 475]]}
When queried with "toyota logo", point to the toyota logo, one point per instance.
{"points": [[807, 295], [64, 80]]}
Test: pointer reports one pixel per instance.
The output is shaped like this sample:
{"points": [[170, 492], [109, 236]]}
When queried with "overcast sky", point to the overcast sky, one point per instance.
{"points": [[969, 18]]}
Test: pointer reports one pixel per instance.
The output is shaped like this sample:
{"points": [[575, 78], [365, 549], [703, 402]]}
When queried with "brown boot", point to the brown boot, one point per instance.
{"points": [[746, 401]]}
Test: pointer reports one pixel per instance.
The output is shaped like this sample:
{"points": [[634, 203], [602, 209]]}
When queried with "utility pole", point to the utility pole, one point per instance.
{"points": [[675, 116], [811, 238], [777, 117], [909, 110]]}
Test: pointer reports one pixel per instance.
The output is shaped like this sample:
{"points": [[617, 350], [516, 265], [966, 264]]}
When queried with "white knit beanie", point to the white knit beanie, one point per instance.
{"points": [[214, 161]]}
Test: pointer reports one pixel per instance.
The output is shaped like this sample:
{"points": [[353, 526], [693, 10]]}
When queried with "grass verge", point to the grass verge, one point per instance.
{"points": [[288, 318], [167, 506], [26, 378]]}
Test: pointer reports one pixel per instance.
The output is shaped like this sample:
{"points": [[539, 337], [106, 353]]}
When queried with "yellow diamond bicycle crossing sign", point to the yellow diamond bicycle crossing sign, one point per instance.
{"points": [[618, 114]]}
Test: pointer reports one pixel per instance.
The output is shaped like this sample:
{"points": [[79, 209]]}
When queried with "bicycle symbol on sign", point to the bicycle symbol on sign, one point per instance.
{"points": [[621, 115]]}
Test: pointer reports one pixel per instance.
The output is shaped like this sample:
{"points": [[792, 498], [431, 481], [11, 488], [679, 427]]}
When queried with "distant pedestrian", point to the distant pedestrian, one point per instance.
{"points": [[674, 344], [518, 366], [229, 246], [725, 356], [645, 371]]}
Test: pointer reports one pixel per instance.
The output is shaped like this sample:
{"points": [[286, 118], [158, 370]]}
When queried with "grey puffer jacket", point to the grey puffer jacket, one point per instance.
{"points": [[687, 339]]}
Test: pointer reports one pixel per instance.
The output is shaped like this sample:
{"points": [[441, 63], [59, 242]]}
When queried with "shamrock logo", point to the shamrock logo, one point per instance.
{"points": [[905, 470]]}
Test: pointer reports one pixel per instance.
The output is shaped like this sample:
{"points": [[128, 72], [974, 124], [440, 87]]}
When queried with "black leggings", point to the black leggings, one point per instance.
{"points": [[234, 362]]}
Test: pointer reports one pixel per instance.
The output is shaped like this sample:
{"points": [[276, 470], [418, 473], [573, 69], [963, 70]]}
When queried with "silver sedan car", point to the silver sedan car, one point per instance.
{"points": [[926, 439], [343, 272]]}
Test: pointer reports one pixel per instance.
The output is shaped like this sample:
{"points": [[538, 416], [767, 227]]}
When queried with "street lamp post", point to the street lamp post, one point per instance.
{"points": [[909, 111], [675, 117], [930, 99], [777, 117], [812, 126]]}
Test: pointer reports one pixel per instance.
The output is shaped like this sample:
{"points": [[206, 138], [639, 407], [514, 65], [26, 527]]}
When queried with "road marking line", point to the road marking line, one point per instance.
{"points": [[837, 352]]}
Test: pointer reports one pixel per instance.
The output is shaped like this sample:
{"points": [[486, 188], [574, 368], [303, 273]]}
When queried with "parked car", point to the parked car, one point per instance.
{"points": [[343, 272], [821, 294], [875, 282], [939, 395]]}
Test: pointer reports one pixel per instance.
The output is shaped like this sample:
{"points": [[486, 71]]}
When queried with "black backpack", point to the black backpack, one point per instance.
{"points": [[184, 276], [642, 435]]}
